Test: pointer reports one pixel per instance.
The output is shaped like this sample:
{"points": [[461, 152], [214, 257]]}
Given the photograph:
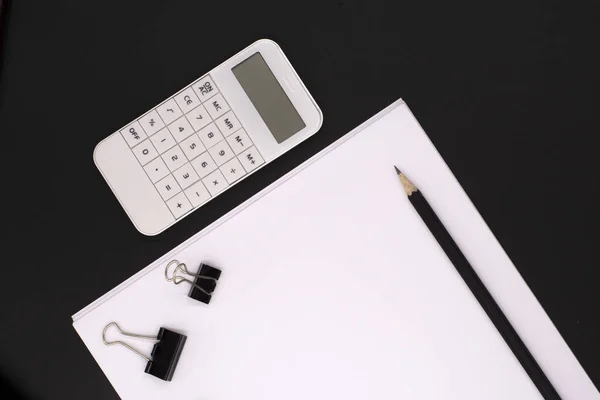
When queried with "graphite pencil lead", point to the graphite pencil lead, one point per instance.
{"points": [[408, 186], [397, 170]]}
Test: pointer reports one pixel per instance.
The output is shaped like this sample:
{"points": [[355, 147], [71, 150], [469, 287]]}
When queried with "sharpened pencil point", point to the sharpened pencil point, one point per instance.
{"points": [[397, 170], [408, 186]]}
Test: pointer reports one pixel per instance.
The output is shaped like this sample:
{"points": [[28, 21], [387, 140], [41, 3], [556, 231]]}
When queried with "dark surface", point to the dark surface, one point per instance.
{"points": [[3, 28], [508, 92]]}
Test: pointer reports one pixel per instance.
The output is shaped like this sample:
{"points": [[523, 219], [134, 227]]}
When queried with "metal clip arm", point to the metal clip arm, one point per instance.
{"points": [[177, 279], [132, 335]]}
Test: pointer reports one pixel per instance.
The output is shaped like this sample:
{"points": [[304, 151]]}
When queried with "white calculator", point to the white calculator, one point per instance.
{"points": [[205, 138]]}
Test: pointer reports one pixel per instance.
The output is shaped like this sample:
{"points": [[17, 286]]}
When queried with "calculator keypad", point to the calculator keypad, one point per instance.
{"points": [[192, 146]]}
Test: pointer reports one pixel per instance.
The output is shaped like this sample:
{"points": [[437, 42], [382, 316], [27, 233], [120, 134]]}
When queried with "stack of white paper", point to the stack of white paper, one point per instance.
{"points": [[333, 288]]}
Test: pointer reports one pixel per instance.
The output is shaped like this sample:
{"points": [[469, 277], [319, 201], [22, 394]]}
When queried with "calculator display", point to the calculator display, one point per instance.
{"points": [[268, 97]]}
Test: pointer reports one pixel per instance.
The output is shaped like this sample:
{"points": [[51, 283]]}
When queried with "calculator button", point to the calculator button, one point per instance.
{"points": [[151, 123], [187, 100], [250, 159], [145, 152], [199, 118], [233, 170], [205, 88], [186, 176], [239, 141], [215, 182], [197, 194], [221, 152], [204, 164], [179, 205], [216, 106], [162, 140], [169, 111], [174, 158], [168, 187], [156, 169], [228, 123], [210, 135], [192, 147], [133, 134], [181, 129]]}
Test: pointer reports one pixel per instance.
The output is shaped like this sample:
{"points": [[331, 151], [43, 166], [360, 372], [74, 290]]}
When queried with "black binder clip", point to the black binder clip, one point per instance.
{"points": [[165, 354], [204, 283]]}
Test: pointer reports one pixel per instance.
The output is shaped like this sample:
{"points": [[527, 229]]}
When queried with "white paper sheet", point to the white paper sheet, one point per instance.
{"points": [[333, 288]]}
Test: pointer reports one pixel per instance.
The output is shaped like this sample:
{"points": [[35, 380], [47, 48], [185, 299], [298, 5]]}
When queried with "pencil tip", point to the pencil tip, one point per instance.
{"points": [[408, 186], [397, 170]]}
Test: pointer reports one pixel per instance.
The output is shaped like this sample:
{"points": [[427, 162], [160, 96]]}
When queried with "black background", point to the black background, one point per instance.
{"points": [[508, 92]]}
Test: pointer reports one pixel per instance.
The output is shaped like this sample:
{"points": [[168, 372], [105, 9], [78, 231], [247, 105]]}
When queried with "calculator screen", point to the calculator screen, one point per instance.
{"points": [[268, 97]]}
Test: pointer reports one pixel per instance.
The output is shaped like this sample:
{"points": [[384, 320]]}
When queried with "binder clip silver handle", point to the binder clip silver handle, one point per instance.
{"points": [[182, 268], [131, 335]]}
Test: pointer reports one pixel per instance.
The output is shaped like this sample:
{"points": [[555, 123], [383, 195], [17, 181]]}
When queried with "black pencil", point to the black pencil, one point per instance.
{"points": [[478, 289]]}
